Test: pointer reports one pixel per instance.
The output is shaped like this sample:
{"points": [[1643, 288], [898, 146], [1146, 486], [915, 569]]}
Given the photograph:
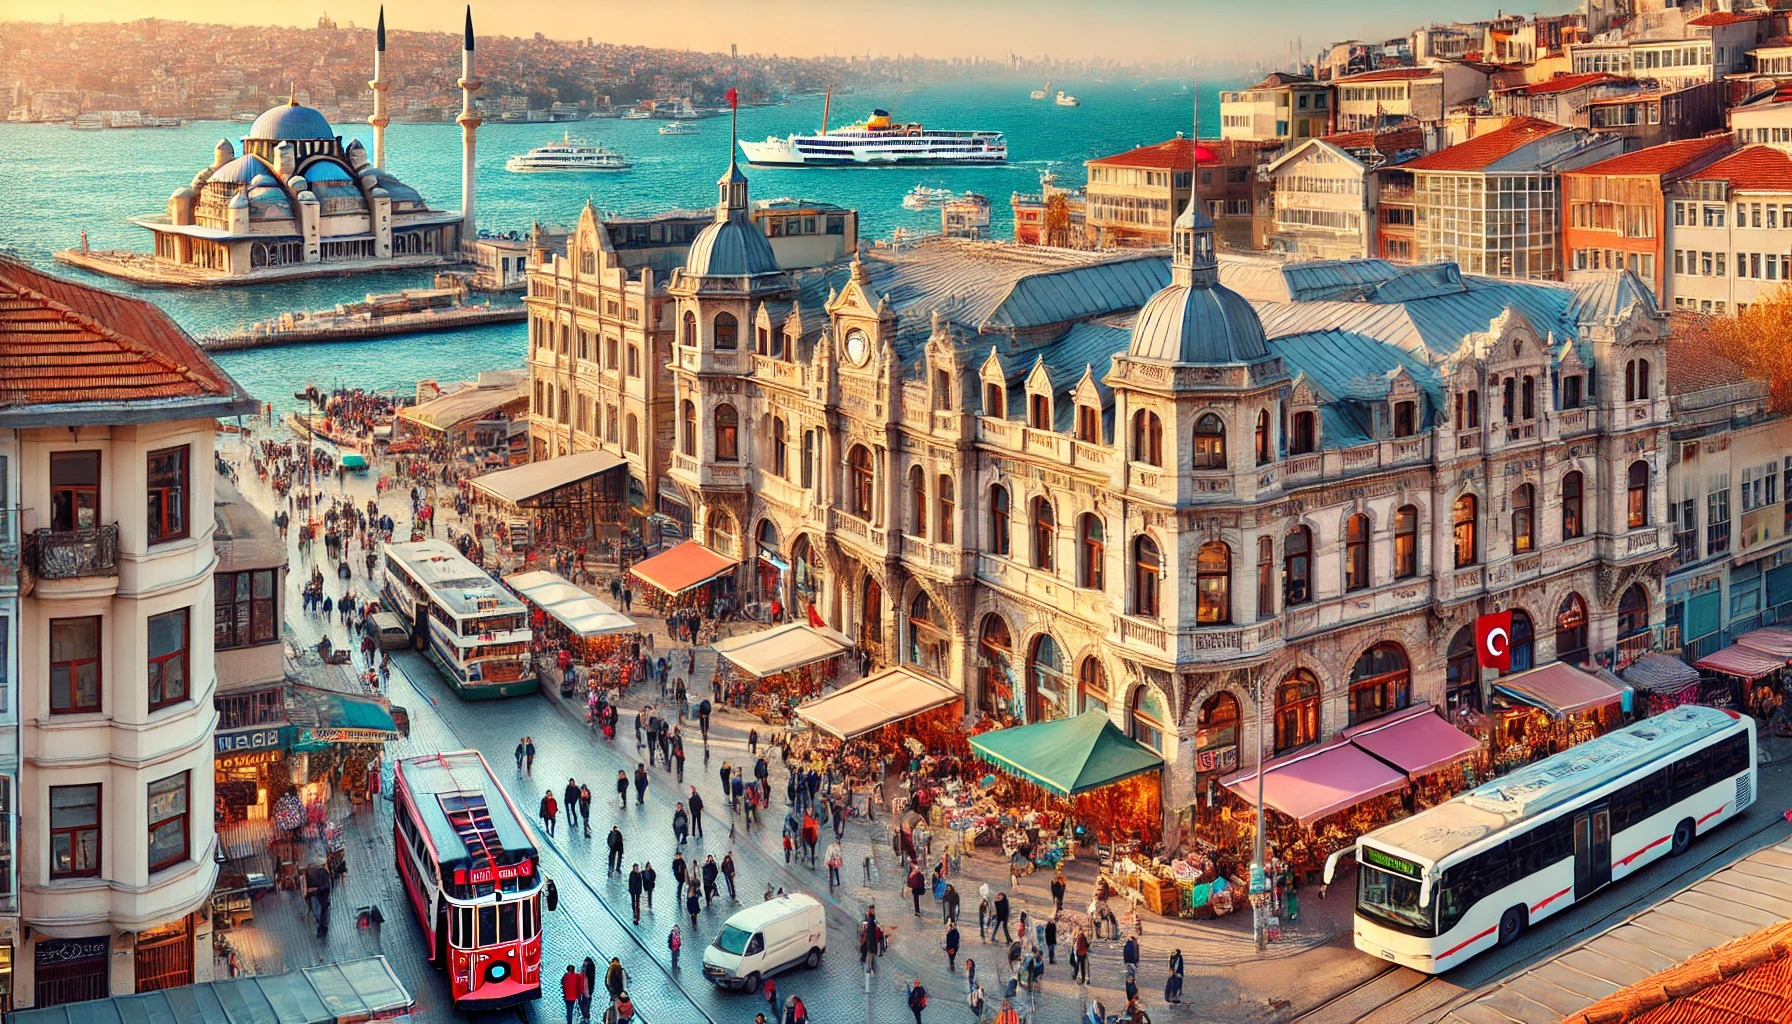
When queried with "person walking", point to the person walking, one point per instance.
{"points": [[710, 870], [753, 742], [572, 989], [681, 824], [585, 807], [587, 971], [674, 940], [834, 860], [916, 886], [949, 904], [974, 999], [1051, 941], [728, 873], [615, 979], [1058, 891], [549, 808], [621, 788], [695, 803], [614, 842], [635, 888], [529, 755], [917, 999], [1000, 919], [640, 783], [951, 947], [678, 755], [1081, 945], [519, 755], [570, 801], [692, 904], [1129, 954], [1173, 984]]}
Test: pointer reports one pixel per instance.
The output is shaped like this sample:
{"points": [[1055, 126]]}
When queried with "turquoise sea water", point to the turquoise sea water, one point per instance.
{"points": [[55, 181]]}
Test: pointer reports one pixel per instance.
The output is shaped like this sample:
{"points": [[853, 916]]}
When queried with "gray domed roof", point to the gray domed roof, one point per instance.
{"points": [[241, 171], [732, 248], [1198, 324], [291, 121]]}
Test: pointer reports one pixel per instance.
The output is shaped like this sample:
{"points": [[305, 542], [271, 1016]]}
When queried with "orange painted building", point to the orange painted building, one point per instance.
{"points": [[1614, 213]]}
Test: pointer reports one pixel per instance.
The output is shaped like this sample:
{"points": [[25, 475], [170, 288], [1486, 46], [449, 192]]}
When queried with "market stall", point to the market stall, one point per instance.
{"points": [[1663, 681], [898, 716], [688, 576], [567, 495], [1440, 759], [341, 992], [576, 610], [1546, 710], [1765, 694], [1741, 668], [769, 671]]}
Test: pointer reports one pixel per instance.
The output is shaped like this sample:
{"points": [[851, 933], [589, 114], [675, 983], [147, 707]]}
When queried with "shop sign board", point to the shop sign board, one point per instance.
{"points": [[310, 737], [261, 737], [1222, 759], [249, 758]]}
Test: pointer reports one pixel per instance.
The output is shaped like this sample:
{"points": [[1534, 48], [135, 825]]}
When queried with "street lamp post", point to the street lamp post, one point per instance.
{"points": [[1259, 880]]}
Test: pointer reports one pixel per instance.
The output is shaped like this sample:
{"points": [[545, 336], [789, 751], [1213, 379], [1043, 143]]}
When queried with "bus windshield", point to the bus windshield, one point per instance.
{"points": [[1392, 898]]}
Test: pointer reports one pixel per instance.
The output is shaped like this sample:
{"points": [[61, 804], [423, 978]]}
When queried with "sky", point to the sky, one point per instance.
{"points": [[1209, 30]]}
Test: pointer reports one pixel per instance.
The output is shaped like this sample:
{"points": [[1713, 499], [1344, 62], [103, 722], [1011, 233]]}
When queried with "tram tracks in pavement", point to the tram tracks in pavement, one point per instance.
{"points": [[1395, 984]]}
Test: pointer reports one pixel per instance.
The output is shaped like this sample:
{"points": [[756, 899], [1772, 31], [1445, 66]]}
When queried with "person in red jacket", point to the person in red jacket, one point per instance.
{"points": [[573, 989]]}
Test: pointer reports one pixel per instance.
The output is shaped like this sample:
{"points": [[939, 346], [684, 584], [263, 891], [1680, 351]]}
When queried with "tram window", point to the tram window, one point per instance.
{"points": [[529, 918], [488, 925], [507, 922], [463, 937]]}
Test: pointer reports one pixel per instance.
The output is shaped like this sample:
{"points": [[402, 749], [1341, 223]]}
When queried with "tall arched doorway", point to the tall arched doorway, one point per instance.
{"points": [[928, 640], [804, 572], [1216, 735], [871, 620], [771, 566], [1049, 687]]}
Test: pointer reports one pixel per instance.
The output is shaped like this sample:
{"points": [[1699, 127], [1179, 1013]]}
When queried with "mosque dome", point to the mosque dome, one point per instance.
{"points": [[239, 201], [1195, 324], [326, 170], [242, 171], [731, 248], [291, 121]]}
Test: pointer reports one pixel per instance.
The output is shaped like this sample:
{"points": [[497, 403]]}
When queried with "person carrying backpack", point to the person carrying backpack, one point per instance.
{"points": [[917, 999]]}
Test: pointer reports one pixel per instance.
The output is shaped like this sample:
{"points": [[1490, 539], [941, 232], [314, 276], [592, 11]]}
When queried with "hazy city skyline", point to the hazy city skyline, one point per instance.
{"points": [[1128, 30]]}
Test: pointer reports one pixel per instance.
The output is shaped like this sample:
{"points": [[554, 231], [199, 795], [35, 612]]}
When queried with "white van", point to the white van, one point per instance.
{"points": [[761, 941]]}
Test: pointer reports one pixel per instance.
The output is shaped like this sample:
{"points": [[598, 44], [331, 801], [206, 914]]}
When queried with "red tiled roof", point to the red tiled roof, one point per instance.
{"points": [[1388, 75], [1280, 78], [1562, 83], [1664, 159], [1716, 18], [1478, 153], [66, 342], [1692, 363], [1743, 981], [1178, 152], [1754, 169], [1388, 140]]}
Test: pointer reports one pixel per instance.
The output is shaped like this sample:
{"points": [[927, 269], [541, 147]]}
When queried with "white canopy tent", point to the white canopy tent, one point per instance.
{"points": [[573, 608], [782, 648], [892, 695]]}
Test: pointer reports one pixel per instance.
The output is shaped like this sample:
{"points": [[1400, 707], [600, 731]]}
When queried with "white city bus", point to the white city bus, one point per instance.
{"points": [[475, 631], [1474, 872]]}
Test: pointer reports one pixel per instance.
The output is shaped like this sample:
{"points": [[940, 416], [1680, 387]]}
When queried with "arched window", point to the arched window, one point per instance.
{"points": [[1637, 495], [1216, 734], [688, 417], [1462, 675], [727, 332], [780, 448], [1092, 684], [1380, 682], [1147, 438], [1643, 394], [1265, 452], [1297, 567], [1524, 533], [1304, 436], [633, 435], [727, 434], [1045, 533], [1406, 542], [858, 480], [917, 502], [1356, 552], [995, 653], [1463, 522], [871, 616], [947, 498], [1633, 612], [1210, 443], [690, 329], [1213, 582], [1523, 641], [1297, 711], [998, 521], [927, 641], [1051, 694], [1266, 577], [1150, 718], [1573, 525], [1147, 578], [1571, 630], [1406, 419], [1091, 551]]}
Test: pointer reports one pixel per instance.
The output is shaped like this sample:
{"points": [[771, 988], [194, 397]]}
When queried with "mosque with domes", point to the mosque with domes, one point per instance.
{"points": [[296, 201]]}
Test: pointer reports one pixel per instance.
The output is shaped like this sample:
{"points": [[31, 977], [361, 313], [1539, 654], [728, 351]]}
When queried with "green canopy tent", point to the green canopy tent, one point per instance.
{"points": [[1067, 756]]}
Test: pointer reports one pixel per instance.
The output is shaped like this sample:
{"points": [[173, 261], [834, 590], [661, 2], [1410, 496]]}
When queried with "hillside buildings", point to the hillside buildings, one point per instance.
{"points": [[1730, 235], [1284, 107], [1616, 212], [1329, 194], [1132, 197]]}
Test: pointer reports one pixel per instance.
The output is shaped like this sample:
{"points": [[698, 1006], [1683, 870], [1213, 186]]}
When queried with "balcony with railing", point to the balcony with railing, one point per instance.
{"points": [[73, 554]]}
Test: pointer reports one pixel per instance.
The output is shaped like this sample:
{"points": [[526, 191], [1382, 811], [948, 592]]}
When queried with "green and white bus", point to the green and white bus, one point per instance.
{"points": [[474, 630]]}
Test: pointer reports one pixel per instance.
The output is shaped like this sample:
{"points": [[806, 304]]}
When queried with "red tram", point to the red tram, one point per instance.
{"points": [[473, 877]]}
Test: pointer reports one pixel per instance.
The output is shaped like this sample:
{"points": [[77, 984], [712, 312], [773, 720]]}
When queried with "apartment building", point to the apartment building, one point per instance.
{"points": [[1764, 119], [1714, 45], [1132, 198], [1328, 192], [1615, 213], [1381, 99], [1492, 204], [1649, 116], [1730, 233], [1562, 99], [1283, 107], [110, 423]]}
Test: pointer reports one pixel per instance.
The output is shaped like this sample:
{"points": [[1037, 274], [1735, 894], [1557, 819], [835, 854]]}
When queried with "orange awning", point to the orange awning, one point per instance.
{"points": [[688, 565]]}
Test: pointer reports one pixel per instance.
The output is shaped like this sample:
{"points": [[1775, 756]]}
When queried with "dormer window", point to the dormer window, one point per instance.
{"points": [[942, 390], [1039, 411], [993, 403], [1406, 419], [1147, 438], [1304, 433], [1088, 424], [1571, 391]]}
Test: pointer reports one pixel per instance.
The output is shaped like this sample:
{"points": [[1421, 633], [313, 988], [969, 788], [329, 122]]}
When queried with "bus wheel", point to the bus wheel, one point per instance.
{"points": [[1512, 924], [1684, 834]]}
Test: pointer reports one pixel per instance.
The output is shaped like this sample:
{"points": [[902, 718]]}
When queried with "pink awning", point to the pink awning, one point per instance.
{"points": [[1316, 783], [1416, 740], [683, 567], [1745, 663], [1772, 640], [1559, 689]]}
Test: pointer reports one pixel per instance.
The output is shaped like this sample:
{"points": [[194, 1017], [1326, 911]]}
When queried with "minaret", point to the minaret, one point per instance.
{"points": [[469, 123], [379, 120]]}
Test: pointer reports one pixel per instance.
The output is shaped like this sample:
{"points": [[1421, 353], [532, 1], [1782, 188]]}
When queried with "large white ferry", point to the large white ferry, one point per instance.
{"points": [[569, 154], [878, 140]]}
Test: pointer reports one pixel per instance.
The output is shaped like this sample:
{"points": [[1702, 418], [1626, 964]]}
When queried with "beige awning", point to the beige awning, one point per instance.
{"points": [[464, 406], [782, 648], [895, 694], [571, 606], [533, 479]]}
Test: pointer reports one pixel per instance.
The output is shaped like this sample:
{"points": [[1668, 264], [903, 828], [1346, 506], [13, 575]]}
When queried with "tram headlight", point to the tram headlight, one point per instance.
{"points": [[497, 971]]}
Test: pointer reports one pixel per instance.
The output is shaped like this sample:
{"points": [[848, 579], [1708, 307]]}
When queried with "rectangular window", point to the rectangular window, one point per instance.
{"points": [[1717, 517], [243, 609], [75, 665], [634, 360], [168, 821], [74, 831], [6, 856], [74, 490], [168, 665], [167, 494]]}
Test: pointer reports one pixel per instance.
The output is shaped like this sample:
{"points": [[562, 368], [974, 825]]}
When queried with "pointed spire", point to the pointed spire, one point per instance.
{"points": [[1192, 260], [292, 94], [379, 32], [467, 42]]}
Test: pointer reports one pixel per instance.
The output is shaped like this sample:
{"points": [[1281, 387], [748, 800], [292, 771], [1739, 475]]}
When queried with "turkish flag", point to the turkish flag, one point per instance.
{"points": [[1493, 641], [733, 98]]}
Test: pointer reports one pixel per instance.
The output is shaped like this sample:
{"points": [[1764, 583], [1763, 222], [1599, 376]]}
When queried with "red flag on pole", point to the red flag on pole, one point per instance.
{"points": [[1493, 641], [733, 97], [815, 617]]}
